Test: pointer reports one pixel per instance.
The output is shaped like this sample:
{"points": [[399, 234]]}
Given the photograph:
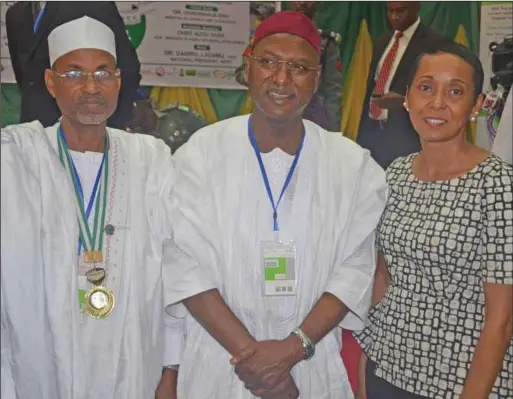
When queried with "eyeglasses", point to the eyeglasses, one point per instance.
{"points": [[101, 77], [295, 68]]}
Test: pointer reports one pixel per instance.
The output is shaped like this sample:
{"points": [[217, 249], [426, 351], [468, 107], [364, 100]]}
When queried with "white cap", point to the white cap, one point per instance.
{"points": [[82, 33]]}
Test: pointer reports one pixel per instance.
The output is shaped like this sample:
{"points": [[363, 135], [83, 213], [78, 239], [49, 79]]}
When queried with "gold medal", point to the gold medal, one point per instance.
{"points": [[99, 302]]}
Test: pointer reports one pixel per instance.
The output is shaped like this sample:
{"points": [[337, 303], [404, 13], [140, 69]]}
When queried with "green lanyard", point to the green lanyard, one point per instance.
{"points": [[92, 242]]}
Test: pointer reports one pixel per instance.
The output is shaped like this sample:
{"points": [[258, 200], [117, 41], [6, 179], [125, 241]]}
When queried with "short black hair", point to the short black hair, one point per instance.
{"points": [[460, 51]]}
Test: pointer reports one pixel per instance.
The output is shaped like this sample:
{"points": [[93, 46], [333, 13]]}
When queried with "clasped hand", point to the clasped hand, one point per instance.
{"points": [[265, 366], [390, 100]]}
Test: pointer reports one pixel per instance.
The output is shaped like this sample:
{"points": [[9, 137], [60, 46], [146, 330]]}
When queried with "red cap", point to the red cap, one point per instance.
{"points": [[292, 22]]}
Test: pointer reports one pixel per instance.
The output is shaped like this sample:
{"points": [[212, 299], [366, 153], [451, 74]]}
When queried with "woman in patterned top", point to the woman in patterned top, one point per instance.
{"points": [[441, 324]]}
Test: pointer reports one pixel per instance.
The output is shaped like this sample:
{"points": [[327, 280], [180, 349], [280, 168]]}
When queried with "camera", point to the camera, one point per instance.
{"points": [[502, 64]]}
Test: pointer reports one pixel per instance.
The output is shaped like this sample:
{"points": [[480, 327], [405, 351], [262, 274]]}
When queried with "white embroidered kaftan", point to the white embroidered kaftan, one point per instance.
{"points": [[50, 350], [330, 210]]}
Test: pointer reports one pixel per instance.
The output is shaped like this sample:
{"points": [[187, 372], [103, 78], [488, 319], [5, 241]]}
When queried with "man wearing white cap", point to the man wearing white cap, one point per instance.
{"points": [[82, 230]]}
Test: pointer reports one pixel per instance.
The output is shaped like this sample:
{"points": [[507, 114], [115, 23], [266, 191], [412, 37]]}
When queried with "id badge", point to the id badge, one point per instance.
{"points": [[278, 261]]}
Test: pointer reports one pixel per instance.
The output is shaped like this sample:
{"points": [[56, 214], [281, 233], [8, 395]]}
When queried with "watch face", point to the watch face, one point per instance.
{"points": [[308, 347]]}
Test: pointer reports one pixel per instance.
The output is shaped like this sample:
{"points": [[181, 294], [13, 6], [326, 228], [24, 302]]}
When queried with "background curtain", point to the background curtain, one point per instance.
{"points": [[357, 22]]}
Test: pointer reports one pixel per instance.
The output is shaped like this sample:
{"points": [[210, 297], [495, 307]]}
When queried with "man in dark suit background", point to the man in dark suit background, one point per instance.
{"points": [[385, 127], [28, 47], [20, 20]]}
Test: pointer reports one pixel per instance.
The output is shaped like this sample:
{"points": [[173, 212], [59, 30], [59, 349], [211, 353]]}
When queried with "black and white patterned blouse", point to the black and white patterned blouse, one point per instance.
{"points": [[441, 241]]}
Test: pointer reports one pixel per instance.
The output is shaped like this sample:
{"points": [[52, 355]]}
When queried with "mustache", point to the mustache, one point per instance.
{"points": [[100, 100]]}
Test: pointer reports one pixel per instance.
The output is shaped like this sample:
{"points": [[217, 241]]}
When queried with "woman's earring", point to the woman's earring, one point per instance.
{"points": [[406, 106], [473, 118]]}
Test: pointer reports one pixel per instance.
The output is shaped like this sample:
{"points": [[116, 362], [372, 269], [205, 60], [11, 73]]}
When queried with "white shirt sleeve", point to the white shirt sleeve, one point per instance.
{"points": [[353, 280], [162, 178], [174, 340], [189, 255], [190, 258], [17, 200]]}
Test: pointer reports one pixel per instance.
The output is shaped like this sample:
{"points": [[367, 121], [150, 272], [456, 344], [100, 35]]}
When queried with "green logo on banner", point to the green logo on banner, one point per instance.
{"points": [[136, 32]]}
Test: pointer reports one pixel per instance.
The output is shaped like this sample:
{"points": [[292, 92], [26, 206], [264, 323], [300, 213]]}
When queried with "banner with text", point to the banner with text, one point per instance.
{"points": [[191, 44]]}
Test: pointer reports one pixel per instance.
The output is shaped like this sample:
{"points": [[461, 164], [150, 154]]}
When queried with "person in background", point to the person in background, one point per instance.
{"points": [[273, 235], [83, 222], [325, 107], [385, 128], [27, 34], [503, 143], [442, 321], [20, 20]]}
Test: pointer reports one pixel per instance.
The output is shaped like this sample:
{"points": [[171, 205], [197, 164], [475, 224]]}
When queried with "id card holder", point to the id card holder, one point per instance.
{"points": [[278, 259]]}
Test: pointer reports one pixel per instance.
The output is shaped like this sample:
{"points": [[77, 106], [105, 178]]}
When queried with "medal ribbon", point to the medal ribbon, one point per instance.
{"points": [[264, 173], [91, 241]]}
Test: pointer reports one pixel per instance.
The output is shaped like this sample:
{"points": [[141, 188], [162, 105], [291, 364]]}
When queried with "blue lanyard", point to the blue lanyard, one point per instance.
{"points": [[79, 185], [38, 19], [264, 173]]}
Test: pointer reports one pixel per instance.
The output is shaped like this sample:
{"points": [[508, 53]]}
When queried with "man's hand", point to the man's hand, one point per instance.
{"points": [[390, 100], [167, 385], [266, 364]]}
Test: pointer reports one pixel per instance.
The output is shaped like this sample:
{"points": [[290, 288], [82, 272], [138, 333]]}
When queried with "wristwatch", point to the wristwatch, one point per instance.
{"points": [[308, 346]]}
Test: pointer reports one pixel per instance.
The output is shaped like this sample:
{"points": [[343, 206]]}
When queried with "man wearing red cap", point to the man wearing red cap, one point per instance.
{"points": [[273, 236], [325, 108]]}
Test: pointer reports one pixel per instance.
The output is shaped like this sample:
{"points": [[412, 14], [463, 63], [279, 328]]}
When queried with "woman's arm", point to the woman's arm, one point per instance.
{"points": [[361, 392], [381, 282], [493, 343], [497, 274]]}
